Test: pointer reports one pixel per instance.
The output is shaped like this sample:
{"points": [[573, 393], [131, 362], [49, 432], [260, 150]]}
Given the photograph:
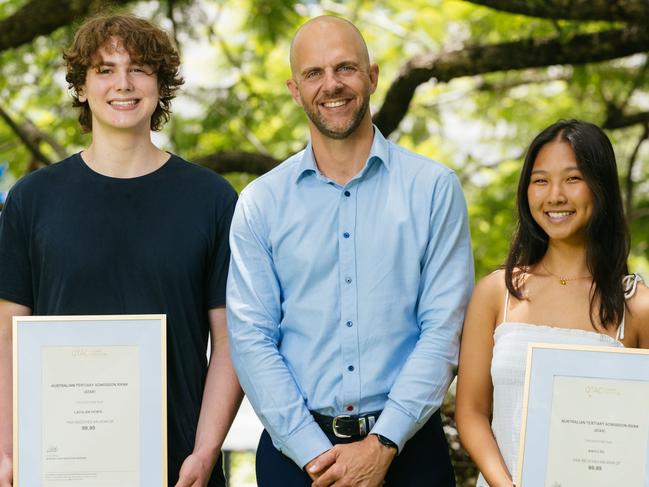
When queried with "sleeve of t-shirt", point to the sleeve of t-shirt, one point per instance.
{"points": [[219, 261], [15, 268]]}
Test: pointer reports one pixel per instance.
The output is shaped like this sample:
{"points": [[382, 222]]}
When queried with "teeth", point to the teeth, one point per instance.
{"points": [[334, 104], [125, 103], [559, 214]]}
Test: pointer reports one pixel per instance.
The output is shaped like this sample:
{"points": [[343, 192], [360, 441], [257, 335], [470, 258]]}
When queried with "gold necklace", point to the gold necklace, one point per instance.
{"points": [[563, 280]]}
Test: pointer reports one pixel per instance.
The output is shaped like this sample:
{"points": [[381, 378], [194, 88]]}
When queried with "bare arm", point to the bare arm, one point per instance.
{"points": [[221, 399], [474, 386], [7, 310], [638, 317]]}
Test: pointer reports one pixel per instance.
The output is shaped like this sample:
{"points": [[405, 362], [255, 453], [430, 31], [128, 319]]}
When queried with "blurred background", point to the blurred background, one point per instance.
{"points": [[468, 83]]}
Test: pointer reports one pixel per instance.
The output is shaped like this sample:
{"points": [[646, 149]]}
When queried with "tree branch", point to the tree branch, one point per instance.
{"points": [[525, 53], [638, 80], [635, 11], [238, 161], [37, 135], [628, 180], [41, 17], [616, 120], [25, 137]]}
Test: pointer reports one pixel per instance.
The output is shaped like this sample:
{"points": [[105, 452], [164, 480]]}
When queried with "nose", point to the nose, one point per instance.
{"points": [[556, 195], [331, 82], [123, 81]]}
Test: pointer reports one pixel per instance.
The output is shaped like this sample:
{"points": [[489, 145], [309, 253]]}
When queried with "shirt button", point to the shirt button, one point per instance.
{"points": [[348, 280], [347, 193], [349, 324], [350, 408], [350, 368], [346, 234]]}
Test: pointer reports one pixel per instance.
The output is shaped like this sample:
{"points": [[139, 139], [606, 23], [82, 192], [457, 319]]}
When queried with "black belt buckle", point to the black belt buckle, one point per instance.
{"points": [[334, 426]]}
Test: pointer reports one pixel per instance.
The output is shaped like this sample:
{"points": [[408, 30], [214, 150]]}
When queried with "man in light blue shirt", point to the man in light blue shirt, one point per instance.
{"points": [[351, 268]]}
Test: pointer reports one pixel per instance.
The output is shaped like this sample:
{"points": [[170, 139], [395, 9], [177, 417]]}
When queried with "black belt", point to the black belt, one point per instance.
{"points": [[346, 426]]}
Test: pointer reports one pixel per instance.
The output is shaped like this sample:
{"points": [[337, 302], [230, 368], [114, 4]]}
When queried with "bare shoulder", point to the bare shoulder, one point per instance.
{"points": [[492, 284], [489, 292], [639, 305], [638, 315]]}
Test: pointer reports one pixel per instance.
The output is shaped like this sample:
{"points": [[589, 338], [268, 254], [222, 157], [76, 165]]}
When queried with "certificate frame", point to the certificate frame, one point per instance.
{"points": [[557, 376], [39, 342]]}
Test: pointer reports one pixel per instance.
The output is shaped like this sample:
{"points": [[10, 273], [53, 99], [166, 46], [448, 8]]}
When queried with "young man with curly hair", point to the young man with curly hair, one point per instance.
{"points": [[125, 228]]}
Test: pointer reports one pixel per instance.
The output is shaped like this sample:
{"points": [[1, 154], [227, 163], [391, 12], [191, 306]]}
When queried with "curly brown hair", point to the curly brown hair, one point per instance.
{"points": [[145, 43]]}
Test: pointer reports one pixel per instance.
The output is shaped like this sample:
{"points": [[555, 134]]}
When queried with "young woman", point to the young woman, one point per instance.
{"points": [[565, 281]]}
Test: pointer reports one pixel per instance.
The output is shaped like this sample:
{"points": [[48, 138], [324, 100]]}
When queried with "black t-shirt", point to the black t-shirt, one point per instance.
{"points": [[73, 241]]}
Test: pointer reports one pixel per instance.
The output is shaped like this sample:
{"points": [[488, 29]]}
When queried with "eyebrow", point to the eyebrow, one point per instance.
{"points": [[337, 65], [309, 69], [567, 169]]}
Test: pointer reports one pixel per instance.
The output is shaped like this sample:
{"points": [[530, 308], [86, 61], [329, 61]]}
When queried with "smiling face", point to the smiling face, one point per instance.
{"points": [[332, 77], [122, 95], [559, 198]]}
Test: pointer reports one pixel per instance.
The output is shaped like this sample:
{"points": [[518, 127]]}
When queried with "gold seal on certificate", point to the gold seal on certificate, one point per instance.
{"points": [[90, 401], [585, 420], [90, 434]]}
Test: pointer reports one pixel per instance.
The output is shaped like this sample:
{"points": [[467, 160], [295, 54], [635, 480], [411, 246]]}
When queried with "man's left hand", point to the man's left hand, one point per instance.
{"points": [[359, 464], [194, 472]]}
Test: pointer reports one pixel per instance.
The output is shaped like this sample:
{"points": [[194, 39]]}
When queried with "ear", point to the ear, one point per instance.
{"points": [[374, 77], [295, 91], [81, 94]]}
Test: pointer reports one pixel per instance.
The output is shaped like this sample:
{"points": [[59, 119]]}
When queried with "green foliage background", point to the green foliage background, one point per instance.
{"points": [[478, 125], [236, 62]]}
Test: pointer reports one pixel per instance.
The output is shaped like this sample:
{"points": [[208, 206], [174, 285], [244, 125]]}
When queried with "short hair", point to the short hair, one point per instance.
{"points": [[607, 235], [328, 19], [145, 43]]}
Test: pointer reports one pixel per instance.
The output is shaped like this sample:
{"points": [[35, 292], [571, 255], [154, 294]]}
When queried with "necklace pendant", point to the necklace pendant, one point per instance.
{"points": [[563, 281]]}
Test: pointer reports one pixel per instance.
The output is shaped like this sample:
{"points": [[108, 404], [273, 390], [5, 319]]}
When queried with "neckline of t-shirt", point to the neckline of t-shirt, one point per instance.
{"points": [[98, 175]]}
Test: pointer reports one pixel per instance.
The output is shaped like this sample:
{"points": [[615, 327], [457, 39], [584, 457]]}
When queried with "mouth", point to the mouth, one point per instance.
{"points": [[339, 102], [124, 103], [559, 215]]}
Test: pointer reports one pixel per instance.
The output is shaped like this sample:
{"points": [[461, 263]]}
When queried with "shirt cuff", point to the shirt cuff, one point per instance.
{"points": [[306, 444], [396, 426]]}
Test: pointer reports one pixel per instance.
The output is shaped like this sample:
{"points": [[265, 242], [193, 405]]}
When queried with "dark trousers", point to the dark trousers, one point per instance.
{"points": [[424, 462]]}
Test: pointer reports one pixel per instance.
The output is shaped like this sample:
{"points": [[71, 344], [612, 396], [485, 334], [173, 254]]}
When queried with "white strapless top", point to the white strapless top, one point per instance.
{"points": [[509, 361], [508, 375]]}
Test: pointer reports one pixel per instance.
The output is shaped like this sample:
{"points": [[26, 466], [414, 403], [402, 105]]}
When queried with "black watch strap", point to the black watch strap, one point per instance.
{"points": [[386, 441]]}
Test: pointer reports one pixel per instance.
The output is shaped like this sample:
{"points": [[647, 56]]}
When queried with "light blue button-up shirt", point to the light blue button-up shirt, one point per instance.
{"points": [[348, 299]]}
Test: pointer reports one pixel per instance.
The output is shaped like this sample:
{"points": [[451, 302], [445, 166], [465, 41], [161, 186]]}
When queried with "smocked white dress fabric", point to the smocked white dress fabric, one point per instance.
{"points": [[508, 376], [508, 371]]}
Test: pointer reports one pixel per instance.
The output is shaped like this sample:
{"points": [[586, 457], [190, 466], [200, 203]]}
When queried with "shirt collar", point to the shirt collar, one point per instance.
{"points": [[379, 151]]}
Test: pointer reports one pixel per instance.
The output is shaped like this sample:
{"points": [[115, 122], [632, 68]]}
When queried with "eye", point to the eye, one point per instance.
{"points": [[538, 180], [144, 69], [312, 74], [103, 70], [347, 68], [574, 178]]}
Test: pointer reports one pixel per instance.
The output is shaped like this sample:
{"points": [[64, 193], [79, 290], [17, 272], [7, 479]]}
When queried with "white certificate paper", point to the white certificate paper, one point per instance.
{"points": [[90, 416], [599, 430]]}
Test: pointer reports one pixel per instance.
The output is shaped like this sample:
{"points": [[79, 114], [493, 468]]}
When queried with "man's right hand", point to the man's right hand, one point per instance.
{"points": [[322, 467], [6, 471]]}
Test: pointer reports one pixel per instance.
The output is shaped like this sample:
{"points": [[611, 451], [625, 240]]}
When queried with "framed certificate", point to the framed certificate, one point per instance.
{"points": [[585, 417], [89, 401]]}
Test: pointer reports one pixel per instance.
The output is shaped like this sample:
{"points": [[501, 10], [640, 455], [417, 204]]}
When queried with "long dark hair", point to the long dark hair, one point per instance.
{"points": [[607, 236]]}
